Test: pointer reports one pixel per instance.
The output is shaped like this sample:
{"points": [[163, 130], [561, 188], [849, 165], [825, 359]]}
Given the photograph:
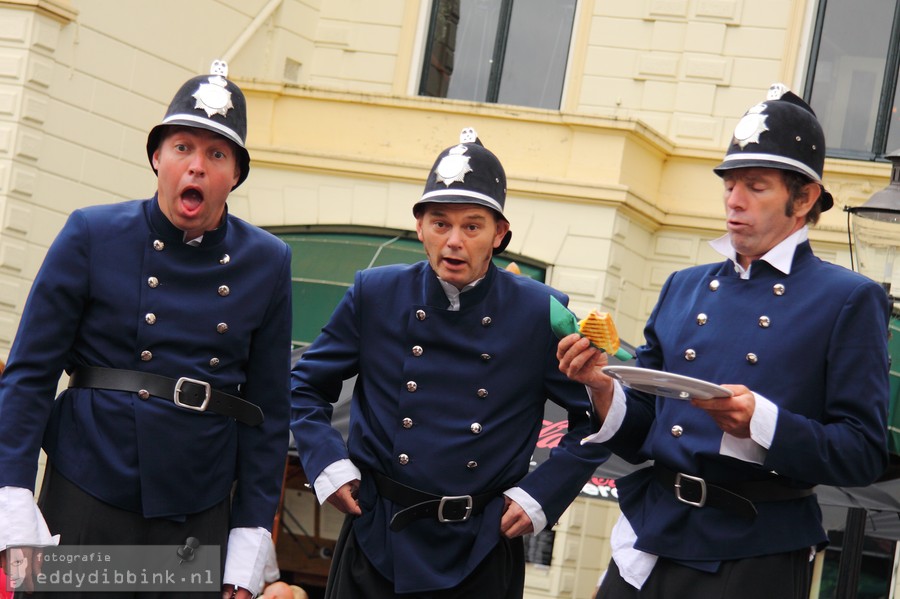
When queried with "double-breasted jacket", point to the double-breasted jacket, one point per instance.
{"points": [[120, 289], [814, 343], [448, 402]]}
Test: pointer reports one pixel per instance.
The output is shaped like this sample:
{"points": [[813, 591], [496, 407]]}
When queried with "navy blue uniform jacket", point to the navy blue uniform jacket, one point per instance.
{"points": [[818, 339], [108, 271], [418, 360]]}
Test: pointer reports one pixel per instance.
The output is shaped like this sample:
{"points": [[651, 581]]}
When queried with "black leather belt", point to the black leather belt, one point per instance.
{"points": [[419, 504], [190, 394], [739, 496]]}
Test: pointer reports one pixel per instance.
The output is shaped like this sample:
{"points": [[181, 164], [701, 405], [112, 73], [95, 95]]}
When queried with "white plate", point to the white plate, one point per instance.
{"points": [[665, 384]]}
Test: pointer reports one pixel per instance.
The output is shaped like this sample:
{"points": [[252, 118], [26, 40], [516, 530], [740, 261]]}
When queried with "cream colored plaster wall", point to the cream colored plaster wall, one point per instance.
{"points": [[687, 68], [81, 84], [357, 44], [581, 552], [29, 39], [564, 176]]}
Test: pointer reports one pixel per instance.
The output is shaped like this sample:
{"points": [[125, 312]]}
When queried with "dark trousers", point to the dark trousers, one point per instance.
{"points": [[81, 519], [779, 576], [500, 576]]}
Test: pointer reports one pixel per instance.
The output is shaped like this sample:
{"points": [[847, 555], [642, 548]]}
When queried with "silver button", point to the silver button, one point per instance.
{"points": [[222, 328], [144, 394], [778, 289], [702, 319], [403, 459], [485, 357], [677, 431], [764, 322], [225, 259], [482, 393], [713, 285], [146, 355], [224, 290], [153, 282], [411, 386], [486, 321], [690, 355], [407, 423], [420, 314], [751, 358], [214, 362], [150, 318], [472, 465], [475, 428], [158, 245], [417, 350]]}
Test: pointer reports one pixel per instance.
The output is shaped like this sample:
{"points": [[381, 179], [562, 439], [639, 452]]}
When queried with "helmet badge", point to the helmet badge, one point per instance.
{"points": [[214, 97], [751, 126], [453, 167]]}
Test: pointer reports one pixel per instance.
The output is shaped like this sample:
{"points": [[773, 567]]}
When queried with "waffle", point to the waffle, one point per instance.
{"points": [[600, 329]]}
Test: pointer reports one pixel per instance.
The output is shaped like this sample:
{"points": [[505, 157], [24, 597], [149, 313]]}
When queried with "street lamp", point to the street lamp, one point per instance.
{"points": [[875, 234]]}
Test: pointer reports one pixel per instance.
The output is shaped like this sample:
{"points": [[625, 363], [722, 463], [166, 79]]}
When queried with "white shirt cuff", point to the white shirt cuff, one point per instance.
{"points": [[334, 477], [23, 523], [762, 431], [614, 417], [531, 507], [250, 561], [634, 565]]}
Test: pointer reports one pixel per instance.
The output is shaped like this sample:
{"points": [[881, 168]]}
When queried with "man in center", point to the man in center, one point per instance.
{"points": [[455, 360]]}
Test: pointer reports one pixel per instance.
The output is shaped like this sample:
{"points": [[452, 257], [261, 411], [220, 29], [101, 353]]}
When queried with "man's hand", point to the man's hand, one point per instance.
{"points": [[229, 592], [344, 499], [732, 414], [582, 362], [514, 522]]}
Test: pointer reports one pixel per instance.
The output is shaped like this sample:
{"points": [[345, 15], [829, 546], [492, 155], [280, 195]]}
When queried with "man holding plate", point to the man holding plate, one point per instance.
{"points": [[798, 350]]}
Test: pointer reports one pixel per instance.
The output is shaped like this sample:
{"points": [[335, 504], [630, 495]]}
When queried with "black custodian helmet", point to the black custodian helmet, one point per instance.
{"points": [[782, 132], [209, 102], [467, 173]]}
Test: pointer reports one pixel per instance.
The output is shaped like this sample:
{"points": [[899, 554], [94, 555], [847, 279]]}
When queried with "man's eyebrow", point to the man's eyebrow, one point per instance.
{"points": [[443, 214]]}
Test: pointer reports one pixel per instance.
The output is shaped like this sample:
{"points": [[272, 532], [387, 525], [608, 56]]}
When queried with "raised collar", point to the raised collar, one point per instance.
{"points": [[170, 233]]}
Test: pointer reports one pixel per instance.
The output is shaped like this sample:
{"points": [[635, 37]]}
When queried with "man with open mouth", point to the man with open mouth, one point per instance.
{"points": [[172, 318]]}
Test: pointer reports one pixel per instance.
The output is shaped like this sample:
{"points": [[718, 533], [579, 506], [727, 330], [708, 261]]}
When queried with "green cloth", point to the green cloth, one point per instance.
{"points": [[894, 417]]}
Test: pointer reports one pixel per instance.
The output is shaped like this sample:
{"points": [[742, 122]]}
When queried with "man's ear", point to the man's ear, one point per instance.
{"points": [[156, 159], [502, 230], [804, 202], [419, 227]]}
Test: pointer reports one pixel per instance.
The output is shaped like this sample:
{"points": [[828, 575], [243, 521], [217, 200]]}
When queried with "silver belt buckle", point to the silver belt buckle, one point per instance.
{"points": [[468, 508], [679, 477], [178, 402]]}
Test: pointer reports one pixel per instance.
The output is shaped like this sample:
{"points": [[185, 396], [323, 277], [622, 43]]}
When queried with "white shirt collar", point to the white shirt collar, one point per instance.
{"points": [[780, 257], [453, 293]]}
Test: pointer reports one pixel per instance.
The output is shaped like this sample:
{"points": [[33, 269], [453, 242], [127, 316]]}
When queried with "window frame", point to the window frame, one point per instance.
{"points": [[879, 139], [498, 55], [309, 321]]}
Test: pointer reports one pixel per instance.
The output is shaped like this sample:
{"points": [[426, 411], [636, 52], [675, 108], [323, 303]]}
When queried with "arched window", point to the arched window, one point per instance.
{"points": [[325, 260]]}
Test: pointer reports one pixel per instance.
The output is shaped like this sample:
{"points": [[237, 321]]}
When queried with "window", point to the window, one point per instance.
{"points": [[507, 51], [852, 80], [325, 260], [876, 567]]}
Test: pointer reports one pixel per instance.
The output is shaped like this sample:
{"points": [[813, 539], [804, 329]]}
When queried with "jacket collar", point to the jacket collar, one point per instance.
{"points": [[169, 233], [436, 296]]}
